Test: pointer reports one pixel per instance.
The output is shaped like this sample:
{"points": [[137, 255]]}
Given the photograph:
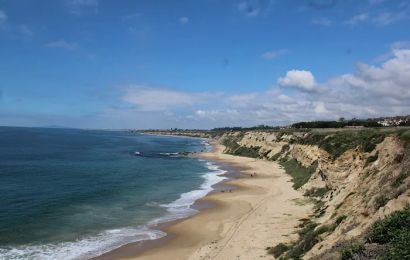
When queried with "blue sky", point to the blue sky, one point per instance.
{"points": [[201, 64]]}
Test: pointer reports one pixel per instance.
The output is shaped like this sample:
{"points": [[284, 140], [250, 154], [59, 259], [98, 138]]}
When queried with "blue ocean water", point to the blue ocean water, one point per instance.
{"points": [[75, 194]]}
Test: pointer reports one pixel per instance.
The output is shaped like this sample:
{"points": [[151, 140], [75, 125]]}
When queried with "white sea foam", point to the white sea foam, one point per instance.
{"points": [[182, 207], [168, 154], [110, 239], [204, 142], [84, 248]]}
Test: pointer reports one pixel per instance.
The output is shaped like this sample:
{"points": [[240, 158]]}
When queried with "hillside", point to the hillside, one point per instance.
{"points": [[354, 178]]}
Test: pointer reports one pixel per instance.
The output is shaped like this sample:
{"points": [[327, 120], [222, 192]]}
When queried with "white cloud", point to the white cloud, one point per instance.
{"points": [[217, 115], [3, 17], [394, 47], [383, 18], [242, 99], [249, 9], [62, 44], [322, 21], [270, 55], [320, 108], [300, 79], [369, 91], [183, 20], [255, 8], [357, 19], [386, 18], [159, 99], [390, 79]]}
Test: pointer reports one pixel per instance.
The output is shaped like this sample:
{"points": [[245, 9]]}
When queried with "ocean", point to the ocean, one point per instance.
{"points": [[75, 194]]}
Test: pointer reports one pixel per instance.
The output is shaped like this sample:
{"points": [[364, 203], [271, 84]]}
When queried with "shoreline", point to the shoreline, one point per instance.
{"points": [[130, 250], [262, 202]]}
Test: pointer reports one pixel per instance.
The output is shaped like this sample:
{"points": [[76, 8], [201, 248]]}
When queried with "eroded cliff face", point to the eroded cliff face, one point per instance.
{"points": [[361, 178]]}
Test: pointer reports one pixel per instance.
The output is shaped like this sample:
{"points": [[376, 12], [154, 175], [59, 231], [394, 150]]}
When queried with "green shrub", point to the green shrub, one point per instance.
{"points": [[300, 175], [380, 201], [325, 228], [275, 157], [394, 230], [400, 247], [332, 227], [230, 143], [247, 151], [372, 158], [307, 227], [319, 208], [385, 230], [316, 192], [284, 159], [349, 251], [340, 219], [232, 146], [400, 179], [338, 143], [405, 136], [278, 250], [308, 237]]}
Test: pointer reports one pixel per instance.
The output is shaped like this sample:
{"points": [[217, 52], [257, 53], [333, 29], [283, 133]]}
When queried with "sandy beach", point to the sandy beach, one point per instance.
{"points": [[242, 223]]}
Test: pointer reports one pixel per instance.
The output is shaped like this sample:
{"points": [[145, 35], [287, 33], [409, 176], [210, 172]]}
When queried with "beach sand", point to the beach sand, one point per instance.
{"points": [[242, 223]]}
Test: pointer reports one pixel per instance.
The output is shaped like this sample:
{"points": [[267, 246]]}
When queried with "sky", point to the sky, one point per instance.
{"points": [[201, 63]]}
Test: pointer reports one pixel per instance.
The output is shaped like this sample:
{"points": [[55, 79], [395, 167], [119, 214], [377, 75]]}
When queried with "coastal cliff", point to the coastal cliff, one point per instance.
{"points": [[354, 178], [357, 180]]}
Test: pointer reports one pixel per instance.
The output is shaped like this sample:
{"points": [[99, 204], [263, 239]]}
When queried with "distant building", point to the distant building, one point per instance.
{"points": [[394, 121]]}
